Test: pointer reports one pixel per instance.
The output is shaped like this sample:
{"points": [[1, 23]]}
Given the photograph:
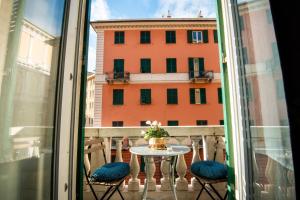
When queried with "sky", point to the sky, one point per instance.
{"points": [[131, 9]]}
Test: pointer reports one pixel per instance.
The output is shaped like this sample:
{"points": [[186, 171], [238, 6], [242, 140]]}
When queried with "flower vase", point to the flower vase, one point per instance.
{"points": [[158, 143]]}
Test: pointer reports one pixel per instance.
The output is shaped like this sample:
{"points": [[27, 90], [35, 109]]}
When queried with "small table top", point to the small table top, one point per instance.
{"points": [[173, 150]]}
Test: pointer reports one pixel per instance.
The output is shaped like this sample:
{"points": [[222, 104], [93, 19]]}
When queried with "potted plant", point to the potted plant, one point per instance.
{"points": [[156, 135]]}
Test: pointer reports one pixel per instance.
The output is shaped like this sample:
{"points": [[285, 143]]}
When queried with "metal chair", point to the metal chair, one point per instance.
{"points": [[208, 173], [111, 174]]}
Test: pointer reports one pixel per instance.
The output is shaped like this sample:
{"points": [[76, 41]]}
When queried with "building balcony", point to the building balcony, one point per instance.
{"points": [[203, 140], [201, 76], [117, 77]]}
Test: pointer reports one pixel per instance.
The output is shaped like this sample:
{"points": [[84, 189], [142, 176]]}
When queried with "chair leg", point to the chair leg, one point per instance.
{"points": [[120, 194], [199, 193], [204, 187], [106, 192], [115, 189], [216, 192]]}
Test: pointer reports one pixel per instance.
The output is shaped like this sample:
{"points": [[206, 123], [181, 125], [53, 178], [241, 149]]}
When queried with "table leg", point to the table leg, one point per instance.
{"points": [[146, 159], [172, 169]]}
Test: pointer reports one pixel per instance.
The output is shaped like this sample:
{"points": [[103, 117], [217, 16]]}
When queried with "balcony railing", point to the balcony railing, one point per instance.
{"points": [[201, 76], [159, 186], [117, 77]]}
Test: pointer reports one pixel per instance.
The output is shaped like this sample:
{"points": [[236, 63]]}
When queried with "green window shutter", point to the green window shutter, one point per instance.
{"points": [[145, 37], [119, 37], [145, 96], [205, 36], [172, 97], [117, 123], [191, 67], [170, 37], [171, 65], [201, 65], [192, 96], [203, 95], [221, 122], [189, 36], [220, 99], [118, 97], [173, 123], [215, 36], [201, 122], [118, 68], [145, 65], [241, 22]]}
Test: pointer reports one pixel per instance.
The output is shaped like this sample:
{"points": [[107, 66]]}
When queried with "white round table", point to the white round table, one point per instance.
{"points": [[172, 152]]}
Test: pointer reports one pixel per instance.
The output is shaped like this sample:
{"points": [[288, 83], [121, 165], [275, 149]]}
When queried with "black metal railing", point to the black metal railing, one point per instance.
{"points": [[206, 76], [117, 76]]}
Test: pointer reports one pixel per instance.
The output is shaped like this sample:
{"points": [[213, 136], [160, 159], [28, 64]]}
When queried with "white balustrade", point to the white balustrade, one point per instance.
{"points": [[165, 171], [196, 157], [134, 182], [181, 167], [180, 134]]}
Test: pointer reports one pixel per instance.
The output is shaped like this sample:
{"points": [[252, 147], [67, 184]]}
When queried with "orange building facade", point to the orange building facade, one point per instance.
{"points": [[158, 69]]}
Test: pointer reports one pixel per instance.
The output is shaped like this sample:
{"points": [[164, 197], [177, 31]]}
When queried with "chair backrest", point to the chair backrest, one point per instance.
{"points": [[92, 145]]}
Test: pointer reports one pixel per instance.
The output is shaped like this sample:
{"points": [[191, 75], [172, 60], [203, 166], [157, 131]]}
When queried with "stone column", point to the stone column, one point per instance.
{"points": [[196, 157], [150, 171], [181, 167], [119, 157], [134, 182], [165, 170]]}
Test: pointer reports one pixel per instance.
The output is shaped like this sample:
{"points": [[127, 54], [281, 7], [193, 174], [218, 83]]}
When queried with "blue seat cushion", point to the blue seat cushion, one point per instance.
{"points": [[209, 169], [111, 172]]}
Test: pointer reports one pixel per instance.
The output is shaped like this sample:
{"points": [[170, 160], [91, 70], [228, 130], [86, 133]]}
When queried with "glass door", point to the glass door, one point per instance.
{"points": [[30, 45], [265, 126]]}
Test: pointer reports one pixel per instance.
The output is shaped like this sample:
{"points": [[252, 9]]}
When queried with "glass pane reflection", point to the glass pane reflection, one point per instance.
{"points": [[30, 34], [271, 174]]}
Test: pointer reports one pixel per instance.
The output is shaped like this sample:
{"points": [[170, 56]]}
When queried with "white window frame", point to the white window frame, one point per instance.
{"points": [[197, 39]]}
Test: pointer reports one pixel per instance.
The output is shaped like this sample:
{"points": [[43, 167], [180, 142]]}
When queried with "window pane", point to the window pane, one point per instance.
{"points": [[264, 105], [30, 38]]}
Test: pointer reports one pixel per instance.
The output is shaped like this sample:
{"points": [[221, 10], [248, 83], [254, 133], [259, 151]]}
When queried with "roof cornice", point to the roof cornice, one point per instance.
{"points": [[208, 23]]}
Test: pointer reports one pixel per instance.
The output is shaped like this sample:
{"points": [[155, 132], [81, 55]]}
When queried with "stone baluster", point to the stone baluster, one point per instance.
{"points": [[165, 170], [119, 157], [150, 169], [208, 147], [196, 157], [134, 182], [181, 168]]}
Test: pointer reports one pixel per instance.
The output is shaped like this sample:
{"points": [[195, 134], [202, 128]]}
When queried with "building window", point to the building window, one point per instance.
{"points": [[197, 95], [172, 96], [195, 36], [145, 37], [171, 65], [143, 123], [220, 99], [118, 68], [215, 36], [117, 123], [145, 65], [222, 122], [145, 96], [170, 37], [196, 67], [119, 37], [118, 97], [173, 123], [201, 122]]}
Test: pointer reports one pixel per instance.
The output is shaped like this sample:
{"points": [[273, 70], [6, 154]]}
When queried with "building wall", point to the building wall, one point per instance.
{"points": [[90, 100], [132, 112]]}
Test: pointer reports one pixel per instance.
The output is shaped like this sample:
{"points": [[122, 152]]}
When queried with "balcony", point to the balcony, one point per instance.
{"points": [[202, 141], [201, 76], [117, 77]]}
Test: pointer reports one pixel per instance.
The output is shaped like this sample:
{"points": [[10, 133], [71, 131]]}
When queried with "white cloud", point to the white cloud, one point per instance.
{"points": [[100, 10], [186, 8]]}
